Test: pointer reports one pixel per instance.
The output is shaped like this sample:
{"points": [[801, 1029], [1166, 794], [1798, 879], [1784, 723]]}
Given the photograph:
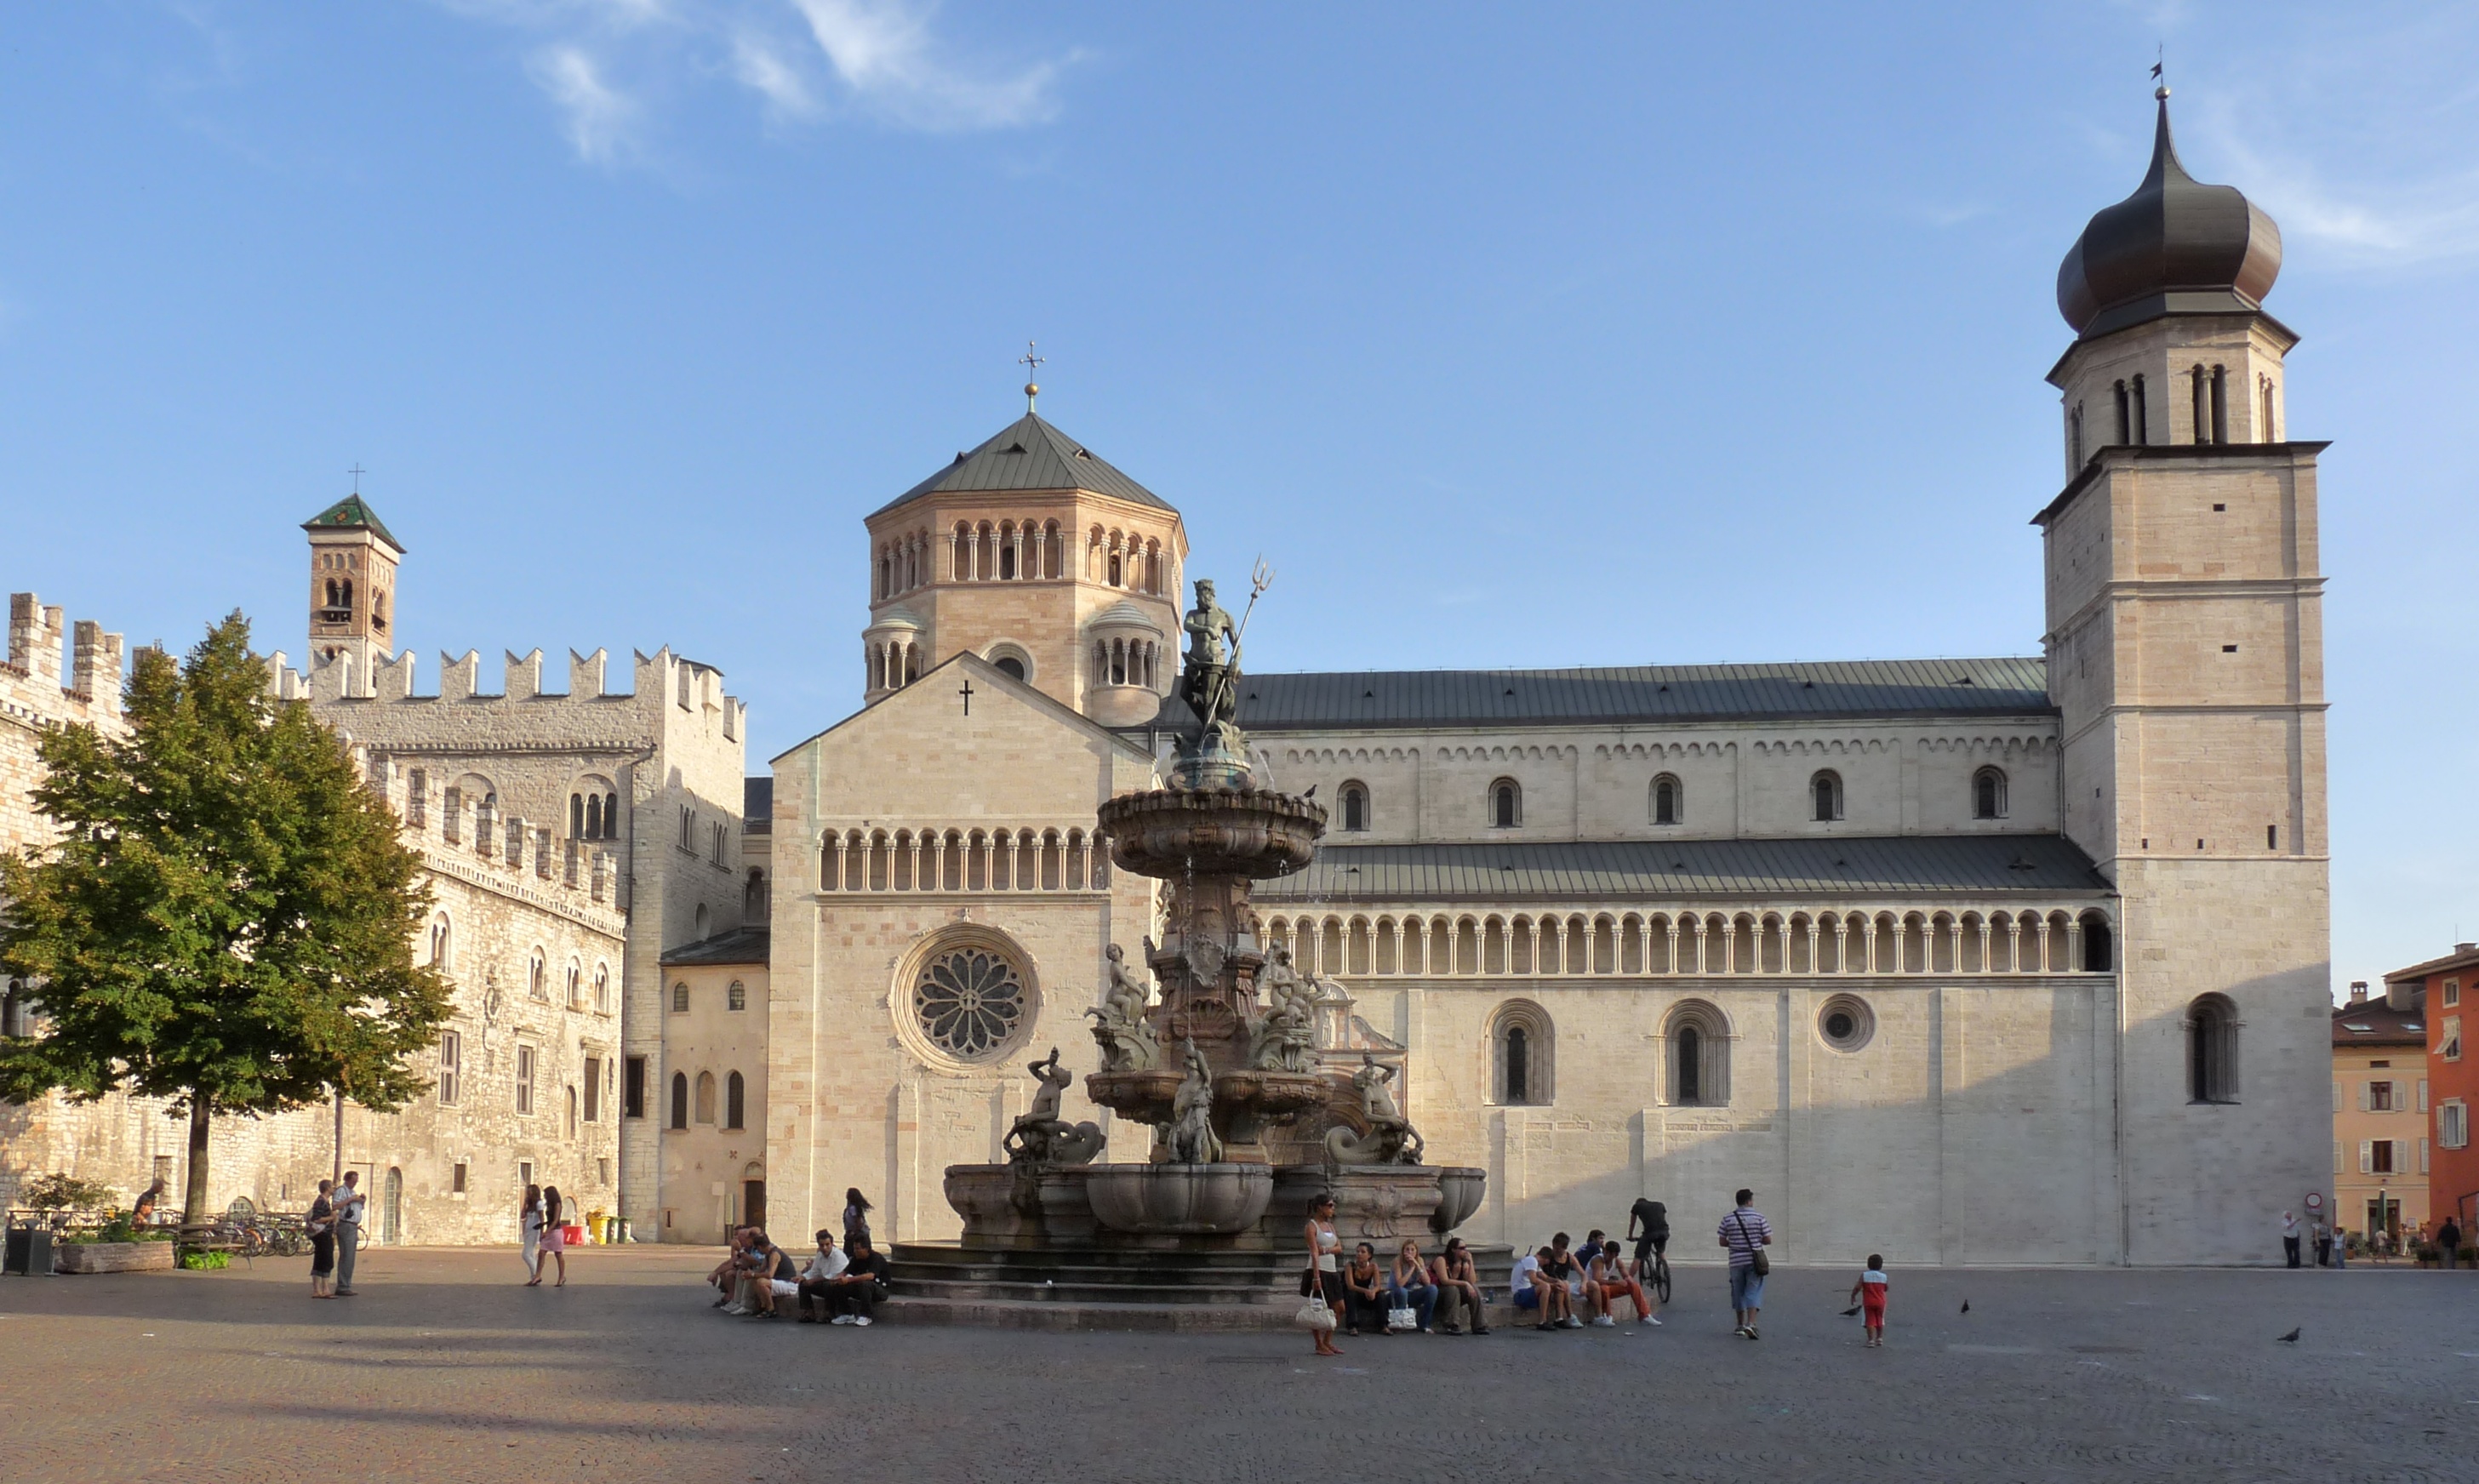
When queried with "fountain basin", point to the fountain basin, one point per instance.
{"points": [[1174, 832], [1186, 1199], [1460, 1190], [1145, 1097]]}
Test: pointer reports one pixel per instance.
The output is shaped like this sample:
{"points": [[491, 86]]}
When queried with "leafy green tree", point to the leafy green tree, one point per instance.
{"points": [[227, 918]]}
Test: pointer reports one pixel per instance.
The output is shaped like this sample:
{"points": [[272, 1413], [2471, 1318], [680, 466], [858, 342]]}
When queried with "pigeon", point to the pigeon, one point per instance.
{"points": [[1848, 1313], [1966, 1306], [2292, 1337], [1311, 794]]}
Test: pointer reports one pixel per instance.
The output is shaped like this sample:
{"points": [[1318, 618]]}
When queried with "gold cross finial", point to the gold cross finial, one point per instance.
{"points": [[1032, 364]]}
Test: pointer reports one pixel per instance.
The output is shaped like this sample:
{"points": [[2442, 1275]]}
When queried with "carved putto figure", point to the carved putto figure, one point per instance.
{"points": [[1120, 1027], [1191, 1138], [1040, 1137], [1390, 1139]]}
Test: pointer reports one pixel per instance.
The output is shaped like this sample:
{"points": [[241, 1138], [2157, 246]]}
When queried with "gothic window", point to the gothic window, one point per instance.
{"points": [[735, 1102], [680, 999], [736, 997], [524, 1078], [451, 1057], [378, 611], [535, 985], [442, 942], [1824, 794], [1989, 794], [610, 816], [576, 987], [417, 798], [1505, 805], [705, 1098], [679, 1100], [1665, 800], [969, 1002], [702, 918], [603, 989], [1521, 1041], [2212, 1050], [688, 828], [1355, 808], [753, 896], [1699, 1057], [576, 815]]}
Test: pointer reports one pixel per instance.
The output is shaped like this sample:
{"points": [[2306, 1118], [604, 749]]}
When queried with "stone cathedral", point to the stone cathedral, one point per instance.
{"points": [[2012, 960]]}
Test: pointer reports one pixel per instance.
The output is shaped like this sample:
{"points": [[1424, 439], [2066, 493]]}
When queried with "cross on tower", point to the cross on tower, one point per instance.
{"points": [[357, 470], [967, 694], [1032, 364]]}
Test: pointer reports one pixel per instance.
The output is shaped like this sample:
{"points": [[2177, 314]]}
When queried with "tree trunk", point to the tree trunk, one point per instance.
{"points": [[193, 1201]]}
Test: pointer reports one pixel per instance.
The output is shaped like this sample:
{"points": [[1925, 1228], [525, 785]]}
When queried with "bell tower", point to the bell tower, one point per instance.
{"points": [[352, 592], [2184, 617]]}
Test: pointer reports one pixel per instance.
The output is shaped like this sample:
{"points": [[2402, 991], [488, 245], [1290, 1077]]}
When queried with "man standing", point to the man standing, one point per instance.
{"points": [[1745, 1232], [2449, 1240], [351, 1203], [2289, 1236]]}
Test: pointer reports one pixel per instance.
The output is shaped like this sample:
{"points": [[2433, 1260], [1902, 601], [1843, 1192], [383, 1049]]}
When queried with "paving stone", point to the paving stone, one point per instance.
{"points": [[444, 1368]]}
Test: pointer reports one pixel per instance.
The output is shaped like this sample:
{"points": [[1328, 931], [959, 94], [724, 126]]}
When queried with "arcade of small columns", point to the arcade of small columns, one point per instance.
{"points": [[1021, 551], [1691, 943], [931, 859]]}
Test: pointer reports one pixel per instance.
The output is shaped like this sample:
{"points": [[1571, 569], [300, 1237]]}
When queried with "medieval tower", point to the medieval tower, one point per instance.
{"points": [[2186, 656]]}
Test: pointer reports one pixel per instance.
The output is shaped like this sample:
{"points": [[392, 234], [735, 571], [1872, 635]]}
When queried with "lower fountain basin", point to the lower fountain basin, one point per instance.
{"points": [[1179, 1198]]}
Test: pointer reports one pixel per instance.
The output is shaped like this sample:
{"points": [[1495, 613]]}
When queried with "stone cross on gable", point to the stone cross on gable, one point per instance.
{"points": [[967, 694]]}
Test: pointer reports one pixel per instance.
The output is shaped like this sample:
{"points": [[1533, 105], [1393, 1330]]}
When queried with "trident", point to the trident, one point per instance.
{"points": [[1260, 579]]}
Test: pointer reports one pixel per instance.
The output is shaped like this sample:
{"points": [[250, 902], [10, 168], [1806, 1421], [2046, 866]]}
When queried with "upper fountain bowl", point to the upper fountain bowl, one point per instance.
{"points": [[1253, 833]]}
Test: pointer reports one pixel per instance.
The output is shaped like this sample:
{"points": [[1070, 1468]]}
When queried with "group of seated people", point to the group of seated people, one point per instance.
{"points": [[1374, 1292], [1554, 1283], [756, 1275]]}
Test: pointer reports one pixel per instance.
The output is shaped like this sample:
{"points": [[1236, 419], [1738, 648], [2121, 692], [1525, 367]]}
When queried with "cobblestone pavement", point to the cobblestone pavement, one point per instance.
{"points": [[445, 1369]]}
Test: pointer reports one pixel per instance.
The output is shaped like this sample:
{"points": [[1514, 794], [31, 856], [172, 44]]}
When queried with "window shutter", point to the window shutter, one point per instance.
{"points": [[2401, 1096], [2337, 1157], [2366, 1156], [2422, 1094], [2337, 1095], [2422, 1155], [2364, 1104]]}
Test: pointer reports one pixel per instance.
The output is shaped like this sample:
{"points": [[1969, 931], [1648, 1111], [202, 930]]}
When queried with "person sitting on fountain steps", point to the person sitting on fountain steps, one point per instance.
{"points": [[1363, 1292], [1409, 1286], [851, 1295], [1457, 1280]]}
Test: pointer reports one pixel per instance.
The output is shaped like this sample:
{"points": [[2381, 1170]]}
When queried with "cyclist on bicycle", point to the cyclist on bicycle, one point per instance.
{"points": [[1654, 1239]]}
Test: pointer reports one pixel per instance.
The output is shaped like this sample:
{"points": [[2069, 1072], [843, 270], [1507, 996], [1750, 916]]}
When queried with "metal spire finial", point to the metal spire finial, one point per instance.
{"points": [[357, 470], [1032, 364]]}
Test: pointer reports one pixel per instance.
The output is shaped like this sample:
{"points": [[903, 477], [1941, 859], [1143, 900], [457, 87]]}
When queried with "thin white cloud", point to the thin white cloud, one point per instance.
{"points": [[596, 117], [761, 65], [803, 59], [883, 52]]}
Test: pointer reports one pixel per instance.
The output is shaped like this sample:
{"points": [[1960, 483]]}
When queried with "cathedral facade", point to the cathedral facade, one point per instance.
{"points": [[2008, 960]]}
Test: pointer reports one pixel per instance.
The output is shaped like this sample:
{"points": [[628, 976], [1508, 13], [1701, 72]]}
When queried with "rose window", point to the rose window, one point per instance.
{"points": [[971, 1002]]}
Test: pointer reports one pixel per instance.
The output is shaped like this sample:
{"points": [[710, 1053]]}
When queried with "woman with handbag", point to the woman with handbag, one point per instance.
{"points": [[1322, 1283], [1410, 1299], [1745, 1232]]}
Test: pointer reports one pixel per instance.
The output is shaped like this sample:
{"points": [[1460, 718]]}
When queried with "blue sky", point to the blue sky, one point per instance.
{"points": [[1510, 335]]}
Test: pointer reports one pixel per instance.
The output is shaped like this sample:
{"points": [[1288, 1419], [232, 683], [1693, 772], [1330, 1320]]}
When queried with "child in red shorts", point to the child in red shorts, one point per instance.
{"points": [[1870, 1291]]}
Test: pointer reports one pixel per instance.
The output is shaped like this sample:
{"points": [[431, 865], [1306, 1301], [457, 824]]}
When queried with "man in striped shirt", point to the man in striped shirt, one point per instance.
{"points": [[1743, 1231]]}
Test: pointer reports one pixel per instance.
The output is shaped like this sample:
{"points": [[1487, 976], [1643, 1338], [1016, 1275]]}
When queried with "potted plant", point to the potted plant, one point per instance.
{"points": [[117, 1245]]}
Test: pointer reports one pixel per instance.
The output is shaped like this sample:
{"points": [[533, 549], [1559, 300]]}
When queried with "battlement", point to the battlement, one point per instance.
{"points": [[511, 854], [585, 711], [36, 689]]}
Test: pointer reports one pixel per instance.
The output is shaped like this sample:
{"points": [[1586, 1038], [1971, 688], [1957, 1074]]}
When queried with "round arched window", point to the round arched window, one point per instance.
{"points": [[969, 1002]]}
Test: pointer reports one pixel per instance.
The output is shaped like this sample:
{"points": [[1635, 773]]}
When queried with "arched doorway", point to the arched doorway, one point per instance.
{"points": [[391, 1209]]}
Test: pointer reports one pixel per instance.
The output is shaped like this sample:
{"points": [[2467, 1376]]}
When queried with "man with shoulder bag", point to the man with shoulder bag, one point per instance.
{"points": [[1745, 1232]]}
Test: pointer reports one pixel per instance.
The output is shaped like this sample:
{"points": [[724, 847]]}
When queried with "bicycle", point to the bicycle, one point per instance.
{"points": [[1655, 1276]]}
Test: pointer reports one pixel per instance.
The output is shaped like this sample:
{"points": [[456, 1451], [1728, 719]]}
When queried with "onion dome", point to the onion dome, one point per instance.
{"points": [[2176, 246]]}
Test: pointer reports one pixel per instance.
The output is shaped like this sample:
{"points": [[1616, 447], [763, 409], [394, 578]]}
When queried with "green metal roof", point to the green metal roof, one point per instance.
{"points": [[351, 513], [1644, 871], [1027, 454], [1625, 695]]}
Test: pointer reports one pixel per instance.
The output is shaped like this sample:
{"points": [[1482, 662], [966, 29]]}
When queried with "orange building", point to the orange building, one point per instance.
{"points": [[2452, 1079]]}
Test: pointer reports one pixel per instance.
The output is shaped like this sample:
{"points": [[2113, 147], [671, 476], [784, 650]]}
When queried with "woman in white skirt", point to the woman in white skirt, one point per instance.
{"points": [[554, 1239], [530, 1222]]}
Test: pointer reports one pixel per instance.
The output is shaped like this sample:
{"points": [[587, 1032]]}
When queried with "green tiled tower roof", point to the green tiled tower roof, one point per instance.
{"points": [[350, 513]]}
